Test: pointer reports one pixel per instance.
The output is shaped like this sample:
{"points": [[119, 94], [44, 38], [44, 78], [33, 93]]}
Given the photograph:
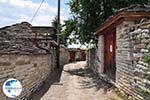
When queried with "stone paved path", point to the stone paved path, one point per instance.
{"points": [[78, 83]]}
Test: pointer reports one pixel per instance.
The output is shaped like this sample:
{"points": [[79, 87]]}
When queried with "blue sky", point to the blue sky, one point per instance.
{"points": [[15, 11]]}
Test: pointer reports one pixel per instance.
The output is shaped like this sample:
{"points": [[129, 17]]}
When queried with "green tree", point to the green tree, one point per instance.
{"points": [[54, 32], [63, 36], [88, 15]]}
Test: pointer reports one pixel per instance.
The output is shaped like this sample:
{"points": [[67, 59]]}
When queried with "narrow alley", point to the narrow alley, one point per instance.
{"points": [[75, 50], [76, 83]]}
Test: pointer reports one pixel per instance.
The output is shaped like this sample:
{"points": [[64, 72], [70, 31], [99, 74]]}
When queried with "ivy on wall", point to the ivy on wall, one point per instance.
{"points": [[146, 58]]}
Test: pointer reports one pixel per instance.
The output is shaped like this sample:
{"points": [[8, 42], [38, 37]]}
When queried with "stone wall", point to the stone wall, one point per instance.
{"points": [[140, 41], [131, 48], [19, 38], [26, 57], [100, 54], [91, 60], [30, 70], [64, 55], [124, 62], [95, 57]]}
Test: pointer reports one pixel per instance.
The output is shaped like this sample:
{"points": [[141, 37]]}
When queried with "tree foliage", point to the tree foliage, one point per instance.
{"points": [[88, 15], [62, 36], [54, 32]]}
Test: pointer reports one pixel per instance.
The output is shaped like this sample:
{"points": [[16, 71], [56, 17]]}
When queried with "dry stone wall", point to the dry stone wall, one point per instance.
{"points": [[26, 57], [91, 59], [30, 70], [140, 39], [132, 42], [132, 45], [64, 55], [19, 38], [124, 62]]}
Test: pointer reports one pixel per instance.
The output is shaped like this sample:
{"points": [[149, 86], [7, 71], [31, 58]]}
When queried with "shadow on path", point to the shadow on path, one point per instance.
{"points": [[91, 80], [54, 78]]}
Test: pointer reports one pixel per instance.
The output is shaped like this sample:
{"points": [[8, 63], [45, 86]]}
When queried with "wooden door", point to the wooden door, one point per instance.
{"points": [[83, 55], [109, 55], [72, 56]]}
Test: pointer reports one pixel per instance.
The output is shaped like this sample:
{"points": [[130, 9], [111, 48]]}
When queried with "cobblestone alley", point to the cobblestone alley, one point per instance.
{"points": [[76, 83]]}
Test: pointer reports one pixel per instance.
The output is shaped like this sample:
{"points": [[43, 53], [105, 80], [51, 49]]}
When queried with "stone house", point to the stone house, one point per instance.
{"points": [[27, 53], [72, 53], [119, 52], [76, 54]]}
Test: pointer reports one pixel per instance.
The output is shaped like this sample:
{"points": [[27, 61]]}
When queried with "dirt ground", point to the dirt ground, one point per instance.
{"points": [[75, 83]]}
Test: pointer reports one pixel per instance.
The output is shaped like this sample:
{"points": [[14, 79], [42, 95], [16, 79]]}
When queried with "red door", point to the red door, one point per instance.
{"points": [[109, 55], [83, 55], [72, 56]]}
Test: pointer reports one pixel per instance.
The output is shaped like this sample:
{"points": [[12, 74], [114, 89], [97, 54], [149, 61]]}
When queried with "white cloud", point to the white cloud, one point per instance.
{"points": [[23, 10], [45, 20], [23, 17], [4, 1], [33, 5], [46, 7]]}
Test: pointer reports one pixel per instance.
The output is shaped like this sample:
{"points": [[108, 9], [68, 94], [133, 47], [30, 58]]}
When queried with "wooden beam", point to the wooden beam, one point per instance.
{"points": [[119, 17]]}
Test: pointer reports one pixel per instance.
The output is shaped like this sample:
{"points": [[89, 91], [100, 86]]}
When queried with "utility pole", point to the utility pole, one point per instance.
{"points": [[58, 32]]}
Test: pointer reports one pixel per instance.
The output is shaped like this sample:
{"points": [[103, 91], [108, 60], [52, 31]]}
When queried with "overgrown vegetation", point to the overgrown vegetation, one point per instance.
{"points": [[146, 75], [146, 58]]}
